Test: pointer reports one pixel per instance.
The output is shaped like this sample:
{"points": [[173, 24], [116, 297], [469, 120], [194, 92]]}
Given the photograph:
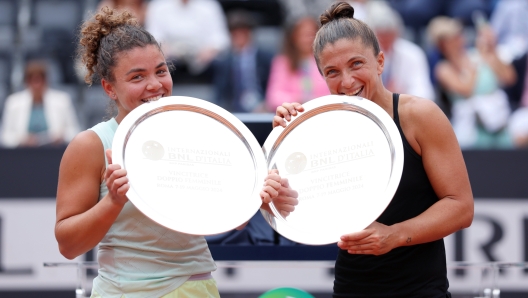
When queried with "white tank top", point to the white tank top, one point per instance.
{"points": [[139, 258]]}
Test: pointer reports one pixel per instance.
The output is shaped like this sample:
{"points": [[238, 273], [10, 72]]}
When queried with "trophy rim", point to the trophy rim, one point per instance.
{"points": [[194, 105], [315, 107]]}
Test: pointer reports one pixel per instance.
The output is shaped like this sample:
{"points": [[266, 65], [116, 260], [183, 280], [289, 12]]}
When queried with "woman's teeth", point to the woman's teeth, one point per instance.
{"points": [[355, 92], [151, 98]]}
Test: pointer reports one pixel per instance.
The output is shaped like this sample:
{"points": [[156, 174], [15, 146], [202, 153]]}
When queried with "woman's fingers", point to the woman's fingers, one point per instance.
{"points": [[285, 112], [108, 153]]}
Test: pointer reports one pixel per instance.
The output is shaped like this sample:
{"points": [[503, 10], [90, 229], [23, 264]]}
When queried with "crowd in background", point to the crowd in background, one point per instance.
{"points": [[469, 56]]}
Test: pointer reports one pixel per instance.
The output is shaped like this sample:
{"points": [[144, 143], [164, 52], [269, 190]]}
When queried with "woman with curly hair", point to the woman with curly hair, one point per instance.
{"points": [[137, 257]]}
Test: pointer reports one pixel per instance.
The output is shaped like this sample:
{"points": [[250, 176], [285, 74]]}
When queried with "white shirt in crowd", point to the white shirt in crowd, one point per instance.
{"points": [[185, 30], [407, 70], [60, 114]]}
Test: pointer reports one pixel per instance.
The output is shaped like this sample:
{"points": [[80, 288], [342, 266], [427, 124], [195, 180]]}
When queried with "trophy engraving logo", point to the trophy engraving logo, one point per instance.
{"points": [[153, 150], [295, 163]]}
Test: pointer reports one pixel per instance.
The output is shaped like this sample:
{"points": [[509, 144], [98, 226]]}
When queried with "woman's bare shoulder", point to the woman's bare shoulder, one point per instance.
{"points": [[85, 150], [85, 140], [422, 119], [418, 108]]}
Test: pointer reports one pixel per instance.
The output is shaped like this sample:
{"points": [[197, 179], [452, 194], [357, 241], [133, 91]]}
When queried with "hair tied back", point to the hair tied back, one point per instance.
{"points": [[338, 10]]}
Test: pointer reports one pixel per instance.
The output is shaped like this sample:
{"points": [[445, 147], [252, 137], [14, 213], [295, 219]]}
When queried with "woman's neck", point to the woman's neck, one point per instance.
{"points": [[458, 59], [383, 98], [38, 97]]}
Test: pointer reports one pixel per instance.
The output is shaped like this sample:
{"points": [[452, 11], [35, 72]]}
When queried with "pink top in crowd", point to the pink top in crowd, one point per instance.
{"points": [[288, 86]]}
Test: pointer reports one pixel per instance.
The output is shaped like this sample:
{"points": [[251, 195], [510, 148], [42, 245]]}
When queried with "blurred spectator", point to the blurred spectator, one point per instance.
{"points": [[38, 115], [510, 23], [406, 69], [518, 127], [294, 75], [241, 74], [360, 8], [295, 9], [472, 80], [518, 93], [191, 32], [138, 8], [417, 14]]}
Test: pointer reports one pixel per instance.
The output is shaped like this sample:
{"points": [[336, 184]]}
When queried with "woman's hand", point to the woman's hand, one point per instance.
{"points": [[271, 187], [376, 239], [486, 41], [286, 201], [277, 190], [285, 112], [116, 181]]}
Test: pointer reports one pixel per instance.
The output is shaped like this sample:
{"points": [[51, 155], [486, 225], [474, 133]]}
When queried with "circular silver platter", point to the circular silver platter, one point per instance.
{"points": [[192, 166], [344, 156]]}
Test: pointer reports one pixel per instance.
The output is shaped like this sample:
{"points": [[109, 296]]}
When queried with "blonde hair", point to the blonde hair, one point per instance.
{"points": [[442, 27]]}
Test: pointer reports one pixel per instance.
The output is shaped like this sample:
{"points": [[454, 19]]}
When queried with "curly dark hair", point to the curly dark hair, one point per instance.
{"points": [[103, 36]]}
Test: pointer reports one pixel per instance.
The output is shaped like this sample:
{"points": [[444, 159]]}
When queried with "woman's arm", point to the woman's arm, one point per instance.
{"points": [[82, 221], [454, 82], [486, 45], [430, 134]]}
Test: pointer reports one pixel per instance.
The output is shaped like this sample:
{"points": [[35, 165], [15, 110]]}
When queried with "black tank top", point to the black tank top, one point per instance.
{"points": [[410, 271]]}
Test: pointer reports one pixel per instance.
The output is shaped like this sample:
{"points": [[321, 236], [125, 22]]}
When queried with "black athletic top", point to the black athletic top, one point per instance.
{"points": [[410, 271]]}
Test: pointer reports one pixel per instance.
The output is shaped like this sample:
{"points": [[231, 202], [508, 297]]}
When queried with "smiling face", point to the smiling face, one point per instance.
{"points": [[351, 68], [140, 75]]}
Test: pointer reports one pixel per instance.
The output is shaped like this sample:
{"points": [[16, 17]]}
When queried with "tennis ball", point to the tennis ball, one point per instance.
{"points": [[286, 293]]}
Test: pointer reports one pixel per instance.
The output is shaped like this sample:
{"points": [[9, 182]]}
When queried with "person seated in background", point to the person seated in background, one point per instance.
{"points": [[518, 127], [406, 69], [417, 14], [294, 75], [191, 32], [518, 93], [293, 9], [38, 115], [298, 8], [472, 80], [138, 8], [510, 24], [240, 75]]}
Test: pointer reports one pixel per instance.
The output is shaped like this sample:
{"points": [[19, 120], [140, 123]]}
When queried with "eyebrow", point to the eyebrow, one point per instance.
{"points": [[142, 69], [348, 61]]}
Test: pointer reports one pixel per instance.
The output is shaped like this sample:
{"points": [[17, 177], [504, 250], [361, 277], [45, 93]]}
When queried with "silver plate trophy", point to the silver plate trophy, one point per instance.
{"points": [[192, 166], [344, 156]]}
